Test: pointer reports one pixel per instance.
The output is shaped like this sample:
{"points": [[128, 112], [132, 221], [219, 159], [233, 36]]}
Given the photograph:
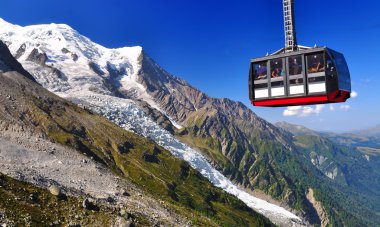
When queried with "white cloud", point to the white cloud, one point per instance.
{"points": [[292, 111], [345, 107], [302, 111], [319, 108], [354, 94], [332, 108]]}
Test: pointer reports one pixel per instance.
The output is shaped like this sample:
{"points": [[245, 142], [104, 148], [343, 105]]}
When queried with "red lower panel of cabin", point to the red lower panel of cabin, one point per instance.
{"points": [[334, 97]]}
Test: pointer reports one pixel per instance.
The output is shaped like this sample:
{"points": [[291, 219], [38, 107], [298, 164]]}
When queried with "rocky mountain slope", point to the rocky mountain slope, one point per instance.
{"points": [[129, 88], [48, 141]]}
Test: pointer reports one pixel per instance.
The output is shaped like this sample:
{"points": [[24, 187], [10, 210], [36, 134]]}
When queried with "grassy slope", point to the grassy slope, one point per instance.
{"points": [[162, 175]]}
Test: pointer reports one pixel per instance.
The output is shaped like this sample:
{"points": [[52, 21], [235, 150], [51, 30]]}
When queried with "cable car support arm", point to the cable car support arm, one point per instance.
{"points": [[289, 25]]}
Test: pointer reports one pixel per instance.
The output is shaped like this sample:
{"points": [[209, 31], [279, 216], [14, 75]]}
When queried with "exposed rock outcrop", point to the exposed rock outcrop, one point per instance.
{"points": [[324, 220], [11, 63], [37, 57]]}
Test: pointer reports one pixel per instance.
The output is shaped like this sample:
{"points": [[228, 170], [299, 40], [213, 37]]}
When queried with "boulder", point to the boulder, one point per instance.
{"points": [[124, 214], [125, 223], [55, 190], [110, 199], [89, 204], [125, 193]]}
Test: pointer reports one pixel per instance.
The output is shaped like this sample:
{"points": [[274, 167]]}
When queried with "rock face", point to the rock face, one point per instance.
{"points": [[323, 218], [158, 117], [20, 51], [326, 166], [36, 57], [10, 63], [177, 98]]}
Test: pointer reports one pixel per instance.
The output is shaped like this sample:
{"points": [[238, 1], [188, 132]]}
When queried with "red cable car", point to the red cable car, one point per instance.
{"points": [[298, 75]]}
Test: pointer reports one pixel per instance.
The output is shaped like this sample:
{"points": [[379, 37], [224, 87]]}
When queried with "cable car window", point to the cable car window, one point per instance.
{"points": [[317, 79], [330, 66], [341, 64], [330, 69], [342, 67], [315, 63], [295, 65], [260, 71], [276, 68], [342, 70], [263, 85], [277, 84], [296, 81]]}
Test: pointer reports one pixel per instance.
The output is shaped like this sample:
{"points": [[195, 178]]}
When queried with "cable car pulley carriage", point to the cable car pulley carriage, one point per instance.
{"points": [[298, 75]]}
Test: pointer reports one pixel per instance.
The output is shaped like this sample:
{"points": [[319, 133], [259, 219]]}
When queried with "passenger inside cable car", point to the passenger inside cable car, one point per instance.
{"points": [[295, 65], [315, 63], [276, 67], [260, 71], [295, 70]]}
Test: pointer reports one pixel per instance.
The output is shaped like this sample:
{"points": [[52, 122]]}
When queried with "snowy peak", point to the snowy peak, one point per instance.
{"points": [[78, 63], [55, 37], [6, 25], [66, 62]]}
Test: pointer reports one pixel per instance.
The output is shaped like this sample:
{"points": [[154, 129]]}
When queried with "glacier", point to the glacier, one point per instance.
{"points": [[128, 115], [80, 84]]}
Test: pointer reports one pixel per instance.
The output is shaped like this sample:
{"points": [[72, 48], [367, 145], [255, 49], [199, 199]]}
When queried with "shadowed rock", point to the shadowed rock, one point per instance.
{"points": [[20, 51], [11, 63], [37, 57]]}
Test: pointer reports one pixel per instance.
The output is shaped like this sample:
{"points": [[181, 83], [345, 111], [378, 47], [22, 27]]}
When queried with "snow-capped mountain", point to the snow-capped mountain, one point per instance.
{"points": [[113, 82], [84, 66]]}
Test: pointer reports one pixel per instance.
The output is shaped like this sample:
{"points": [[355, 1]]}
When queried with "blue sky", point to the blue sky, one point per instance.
{"points": [[210, 43]]}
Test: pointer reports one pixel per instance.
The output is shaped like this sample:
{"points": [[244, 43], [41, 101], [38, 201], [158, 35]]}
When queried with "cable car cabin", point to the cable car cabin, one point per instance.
{"points": [[304, 77]]}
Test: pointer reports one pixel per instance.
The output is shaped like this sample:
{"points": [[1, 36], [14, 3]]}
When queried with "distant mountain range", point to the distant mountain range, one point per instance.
{"points": [[319, 177], [373, 131], [361, 138]]}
